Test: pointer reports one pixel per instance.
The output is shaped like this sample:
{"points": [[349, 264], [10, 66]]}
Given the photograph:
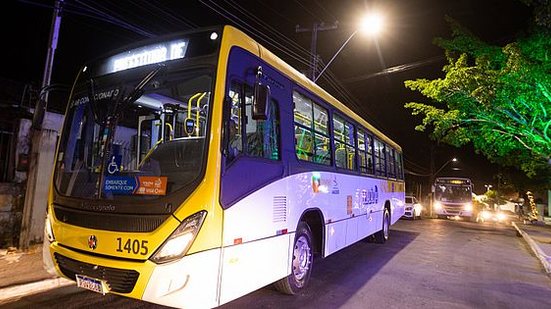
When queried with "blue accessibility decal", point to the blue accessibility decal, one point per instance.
{"points": [[122, 185]]}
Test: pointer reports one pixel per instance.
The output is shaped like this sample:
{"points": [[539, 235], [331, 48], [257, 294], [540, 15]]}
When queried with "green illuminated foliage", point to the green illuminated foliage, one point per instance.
{"points": [[497, 98]]}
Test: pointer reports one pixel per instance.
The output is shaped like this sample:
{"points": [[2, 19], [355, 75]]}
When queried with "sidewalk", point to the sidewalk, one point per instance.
{"points": [[538, 237], [21, 273]]}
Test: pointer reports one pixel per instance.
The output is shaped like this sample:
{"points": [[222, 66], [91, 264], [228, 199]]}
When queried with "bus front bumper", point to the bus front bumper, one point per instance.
{"points": [[189, 282]]}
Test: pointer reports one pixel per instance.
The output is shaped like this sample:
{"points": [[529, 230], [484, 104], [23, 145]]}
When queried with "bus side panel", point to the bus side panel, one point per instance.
{"points": [[258, 233], [336, 237], [250, 266]]}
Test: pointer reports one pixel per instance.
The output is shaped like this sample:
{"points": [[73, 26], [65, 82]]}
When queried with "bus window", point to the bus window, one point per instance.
{"points": [[235, 143], [261, 137], [391, 162], [311, 131], [380, 158], [369, 151], [345, 153], [399, 170], [365, 152]]}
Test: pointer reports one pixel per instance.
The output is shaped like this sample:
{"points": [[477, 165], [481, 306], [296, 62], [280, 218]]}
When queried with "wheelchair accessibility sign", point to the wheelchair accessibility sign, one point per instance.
{"points": [[113, 167]]}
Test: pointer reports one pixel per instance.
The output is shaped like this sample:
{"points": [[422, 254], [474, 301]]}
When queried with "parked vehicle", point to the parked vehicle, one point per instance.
{"points": [[413, 208], [491, 215]]}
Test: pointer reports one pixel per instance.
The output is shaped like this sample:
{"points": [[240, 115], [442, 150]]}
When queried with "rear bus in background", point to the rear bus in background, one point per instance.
{"points": [[198, 167], [453, 197]]}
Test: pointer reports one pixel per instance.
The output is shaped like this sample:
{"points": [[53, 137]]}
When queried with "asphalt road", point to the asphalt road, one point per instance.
{"points": [[425, 264]]}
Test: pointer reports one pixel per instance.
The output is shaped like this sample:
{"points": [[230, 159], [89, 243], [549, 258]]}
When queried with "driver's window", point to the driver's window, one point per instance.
{"points": [[255, 138]]}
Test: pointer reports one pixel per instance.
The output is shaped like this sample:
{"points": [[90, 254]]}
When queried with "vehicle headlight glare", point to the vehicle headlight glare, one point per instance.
{"points": [[48, 229], [468, 207], [501, 216], [437, 205], [486, 214], [181, 239]]}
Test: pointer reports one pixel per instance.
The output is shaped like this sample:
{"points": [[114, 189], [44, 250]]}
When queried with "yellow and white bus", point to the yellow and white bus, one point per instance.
{"points": [[196, 168]]}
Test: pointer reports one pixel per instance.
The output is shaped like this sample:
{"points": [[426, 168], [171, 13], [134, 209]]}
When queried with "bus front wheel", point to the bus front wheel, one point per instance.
{"points": [[301, 266]]}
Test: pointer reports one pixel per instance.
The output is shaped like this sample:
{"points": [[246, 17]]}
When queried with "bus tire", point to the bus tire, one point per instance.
{"points": [[301, 267], [382, 236]]}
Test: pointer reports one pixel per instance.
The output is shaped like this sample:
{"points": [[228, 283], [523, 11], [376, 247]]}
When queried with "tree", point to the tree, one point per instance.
{"points": [[498, 98]]}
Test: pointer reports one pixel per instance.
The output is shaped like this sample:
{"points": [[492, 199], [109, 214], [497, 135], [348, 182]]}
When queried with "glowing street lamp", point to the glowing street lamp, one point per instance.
{"points": [[444, 165], [371, 24]]}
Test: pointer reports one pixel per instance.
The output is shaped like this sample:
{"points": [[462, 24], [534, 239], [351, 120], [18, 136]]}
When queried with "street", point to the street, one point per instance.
{"points": [[425, 264]]}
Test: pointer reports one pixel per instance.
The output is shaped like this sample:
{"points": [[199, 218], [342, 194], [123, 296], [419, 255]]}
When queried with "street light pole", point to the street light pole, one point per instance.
{"points": [[316, 27], [41, 154], [370, 23], [335, 55]]}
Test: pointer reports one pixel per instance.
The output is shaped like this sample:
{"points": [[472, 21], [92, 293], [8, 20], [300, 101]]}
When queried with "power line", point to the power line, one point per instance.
{"points": [[230, 16]]}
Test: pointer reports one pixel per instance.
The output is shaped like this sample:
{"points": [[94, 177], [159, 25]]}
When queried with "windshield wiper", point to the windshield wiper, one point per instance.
{"points": [[110, 124]]}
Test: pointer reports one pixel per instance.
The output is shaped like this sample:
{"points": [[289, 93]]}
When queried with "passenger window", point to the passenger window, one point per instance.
{"points": [[391, 162], [312, 141], [380, 158], [345, 152], [399, 169], [365, 152]]}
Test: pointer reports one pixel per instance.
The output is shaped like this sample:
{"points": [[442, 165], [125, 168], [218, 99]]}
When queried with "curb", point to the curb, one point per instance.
{"points": [[544, 258], [18, 291]]}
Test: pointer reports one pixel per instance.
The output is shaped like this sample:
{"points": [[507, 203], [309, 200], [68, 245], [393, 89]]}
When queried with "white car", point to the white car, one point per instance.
{"points": [[413, 208]]}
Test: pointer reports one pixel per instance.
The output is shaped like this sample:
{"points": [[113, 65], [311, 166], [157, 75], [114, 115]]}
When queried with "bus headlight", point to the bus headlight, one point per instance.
{"points": [[48, 229], [437, 205], [180, 240], [468, 207]]}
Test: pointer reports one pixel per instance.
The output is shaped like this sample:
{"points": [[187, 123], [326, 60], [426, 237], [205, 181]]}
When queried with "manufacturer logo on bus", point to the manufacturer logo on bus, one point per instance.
{"points": [[92, 242]]}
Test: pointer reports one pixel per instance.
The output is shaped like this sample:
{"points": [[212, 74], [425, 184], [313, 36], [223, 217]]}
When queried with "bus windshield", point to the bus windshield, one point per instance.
{"points": [[138, 133], [453, 193]]}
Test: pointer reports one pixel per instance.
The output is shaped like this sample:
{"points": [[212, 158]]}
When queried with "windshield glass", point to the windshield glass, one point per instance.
{"points": [[139, 134], [450, 193]]}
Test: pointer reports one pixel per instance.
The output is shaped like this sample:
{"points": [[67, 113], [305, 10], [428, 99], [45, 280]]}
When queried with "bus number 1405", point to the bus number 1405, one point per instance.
{"points": [[132, 246]]}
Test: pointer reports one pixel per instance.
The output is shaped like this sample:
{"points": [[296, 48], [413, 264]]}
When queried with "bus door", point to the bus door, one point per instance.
{"points": [[251, 181]]}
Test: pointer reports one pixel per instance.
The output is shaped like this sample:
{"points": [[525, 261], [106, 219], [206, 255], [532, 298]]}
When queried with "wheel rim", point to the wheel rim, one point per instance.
{"points": [[301, 258]]}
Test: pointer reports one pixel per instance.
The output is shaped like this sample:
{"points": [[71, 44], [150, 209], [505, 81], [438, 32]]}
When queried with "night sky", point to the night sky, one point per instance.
{"points": [[90, 28]]}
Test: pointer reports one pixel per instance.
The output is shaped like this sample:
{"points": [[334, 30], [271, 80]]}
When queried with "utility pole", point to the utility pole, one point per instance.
{"points": [[314, 56], [41, 152]]}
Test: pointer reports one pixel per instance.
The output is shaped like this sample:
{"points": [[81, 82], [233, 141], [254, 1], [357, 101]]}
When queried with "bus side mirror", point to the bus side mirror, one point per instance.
{"points": [[261, 95]]}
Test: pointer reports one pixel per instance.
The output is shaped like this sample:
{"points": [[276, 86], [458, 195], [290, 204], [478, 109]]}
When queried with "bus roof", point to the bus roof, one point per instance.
{"points": [[233, 36]]}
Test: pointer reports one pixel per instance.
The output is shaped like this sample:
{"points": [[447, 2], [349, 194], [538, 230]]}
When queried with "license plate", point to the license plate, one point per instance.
{"points": [[91, 284]]}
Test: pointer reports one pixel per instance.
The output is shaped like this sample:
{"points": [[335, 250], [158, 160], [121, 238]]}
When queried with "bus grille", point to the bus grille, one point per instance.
{"points": [[453, 209], [118, 280], [109, 221]]}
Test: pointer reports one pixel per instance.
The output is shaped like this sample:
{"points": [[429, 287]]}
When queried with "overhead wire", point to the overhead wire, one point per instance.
{"points": [[268, 27], [306, 9], [154, 7], [113, 19], [274, 43], [325, 10]]}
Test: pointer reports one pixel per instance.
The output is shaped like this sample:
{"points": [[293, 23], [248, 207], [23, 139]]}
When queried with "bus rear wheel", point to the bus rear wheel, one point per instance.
{"points": [[301, 267], [382, 236]]}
